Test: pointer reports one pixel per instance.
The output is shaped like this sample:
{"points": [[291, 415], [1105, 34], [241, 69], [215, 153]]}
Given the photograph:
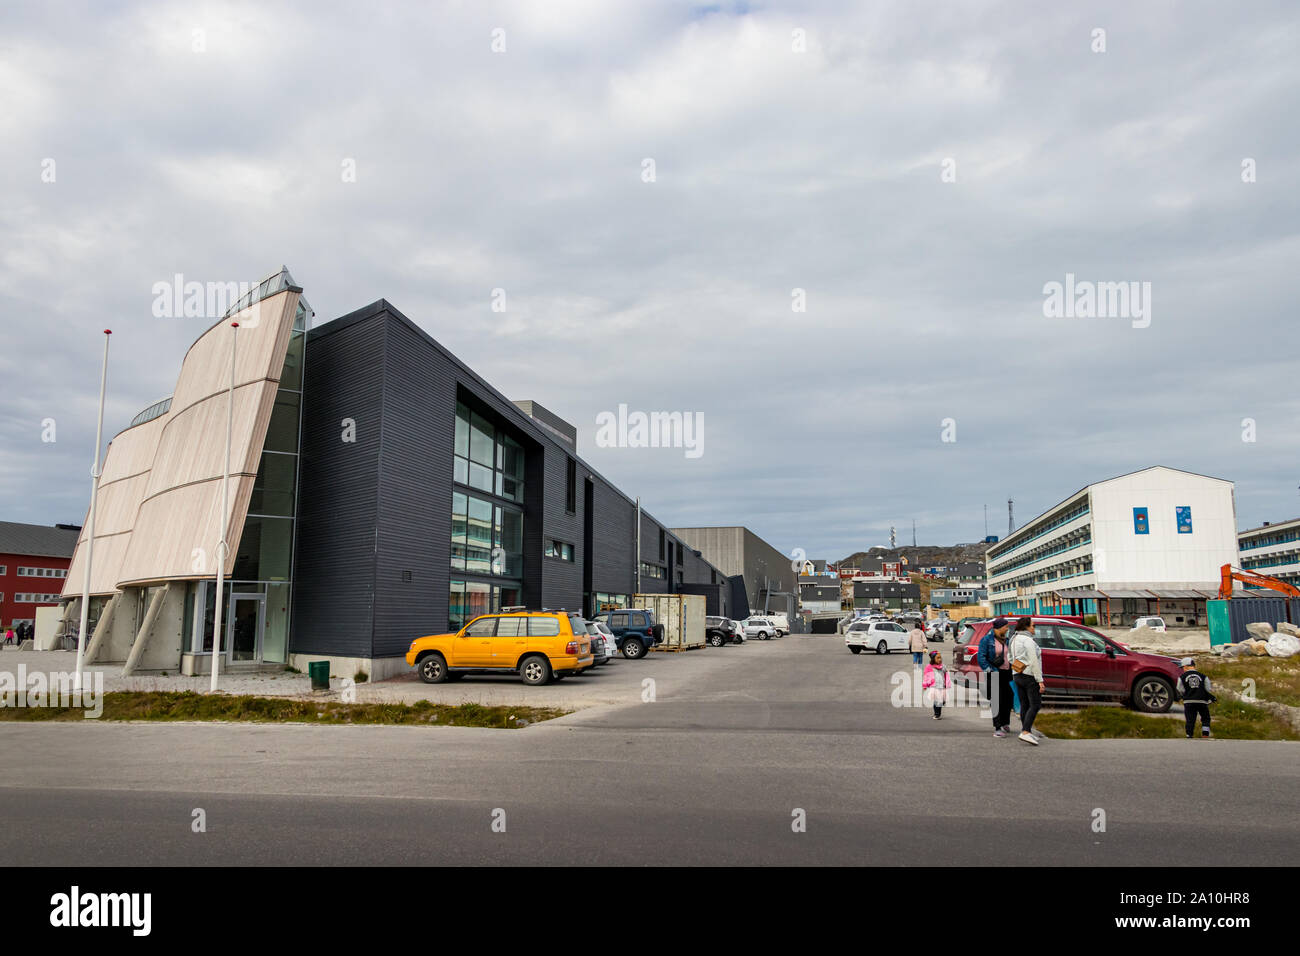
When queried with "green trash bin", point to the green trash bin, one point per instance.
{"points": [[319, 671]]}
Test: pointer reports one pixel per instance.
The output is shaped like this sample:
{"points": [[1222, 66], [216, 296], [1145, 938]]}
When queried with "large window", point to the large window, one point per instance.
{"points": [[486, 538], [604, 601], [468, 599], [485, 458]]}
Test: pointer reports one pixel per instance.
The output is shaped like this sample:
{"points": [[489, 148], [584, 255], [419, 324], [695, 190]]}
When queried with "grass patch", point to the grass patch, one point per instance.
{"points": [[187, 705], [1228, 719], [1277, 679]]}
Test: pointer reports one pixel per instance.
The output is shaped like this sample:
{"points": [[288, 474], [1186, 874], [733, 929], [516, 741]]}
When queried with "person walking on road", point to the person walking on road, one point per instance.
{"points": [[1027, 667], [1194, 689], [937, 681], [916, 640], [994, 661]]}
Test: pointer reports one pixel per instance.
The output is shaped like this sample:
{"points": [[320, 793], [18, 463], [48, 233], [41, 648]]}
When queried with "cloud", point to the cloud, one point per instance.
{"points": [[775, 170]]}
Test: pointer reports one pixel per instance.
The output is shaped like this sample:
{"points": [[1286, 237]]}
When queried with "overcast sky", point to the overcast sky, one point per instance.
{"points": [[221, 154]]}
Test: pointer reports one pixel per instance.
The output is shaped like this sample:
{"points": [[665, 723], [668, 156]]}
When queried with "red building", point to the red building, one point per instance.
{"points": [[34, 562]]}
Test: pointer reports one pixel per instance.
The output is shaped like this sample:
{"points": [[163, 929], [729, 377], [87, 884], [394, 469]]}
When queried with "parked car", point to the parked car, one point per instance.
{"points": [[760, 628], [1080, 663], [721, 630], [935, 629], [1155, 623], [540, 646], [611, 645], [634, 630], [880, 636], [738, 630], [780, 622], [603, 645]]}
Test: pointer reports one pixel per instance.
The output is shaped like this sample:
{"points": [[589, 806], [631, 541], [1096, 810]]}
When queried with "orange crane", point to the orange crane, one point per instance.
{"points": [[1228, 574]]}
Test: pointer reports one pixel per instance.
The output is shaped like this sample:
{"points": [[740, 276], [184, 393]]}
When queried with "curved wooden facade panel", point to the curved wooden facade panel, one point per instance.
{"points": [[123, 480], [159, 502]]}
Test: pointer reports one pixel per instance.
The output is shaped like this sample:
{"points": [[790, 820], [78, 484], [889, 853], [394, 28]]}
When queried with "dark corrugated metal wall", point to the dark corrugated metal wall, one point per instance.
{"points": [[374, 510]]}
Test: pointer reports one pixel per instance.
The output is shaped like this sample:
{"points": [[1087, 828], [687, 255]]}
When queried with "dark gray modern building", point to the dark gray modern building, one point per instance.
{"points": [[770, 580], [428, 497], [376, 490]]}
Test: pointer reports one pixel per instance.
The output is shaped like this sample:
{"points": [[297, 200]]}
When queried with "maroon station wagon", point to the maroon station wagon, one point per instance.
{"points": [[1082, 664]]}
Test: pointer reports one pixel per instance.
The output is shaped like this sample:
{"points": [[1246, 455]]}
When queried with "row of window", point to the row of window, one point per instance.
{"points": [[1065, 569], [1006, 547], [23, 598], [1276, 537], [649, 570], [38, 572], [1074, 540]]}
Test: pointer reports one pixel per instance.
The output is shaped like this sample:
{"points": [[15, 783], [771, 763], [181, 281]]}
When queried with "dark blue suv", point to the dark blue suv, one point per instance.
{"points": [[635, 630]]}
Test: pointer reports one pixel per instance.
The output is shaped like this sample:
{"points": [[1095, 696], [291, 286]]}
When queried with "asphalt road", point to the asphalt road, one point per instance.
{"points": [[715, 770]]}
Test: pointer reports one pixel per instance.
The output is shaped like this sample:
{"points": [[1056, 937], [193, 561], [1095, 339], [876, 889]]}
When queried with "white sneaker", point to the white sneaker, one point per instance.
{"points": [[1029, 738]]}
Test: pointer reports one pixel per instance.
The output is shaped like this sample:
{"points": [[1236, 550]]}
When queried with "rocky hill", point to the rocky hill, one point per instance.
{"points": [[924, 555]]}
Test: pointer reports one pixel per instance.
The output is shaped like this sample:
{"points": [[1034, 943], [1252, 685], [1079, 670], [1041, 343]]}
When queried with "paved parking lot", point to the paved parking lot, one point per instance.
{"points": [[735, 741], [619, 682]]}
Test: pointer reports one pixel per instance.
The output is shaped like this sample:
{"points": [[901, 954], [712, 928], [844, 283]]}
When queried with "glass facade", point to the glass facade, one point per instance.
{"points": [[602, 601], [468, 599], [487, 524], [257, 596], [486, 459]]}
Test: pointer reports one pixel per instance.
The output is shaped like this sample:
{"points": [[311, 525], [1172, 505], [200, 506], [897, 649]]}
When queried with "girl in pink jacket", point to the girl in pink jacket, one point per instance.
{"points": [[936, 682]]}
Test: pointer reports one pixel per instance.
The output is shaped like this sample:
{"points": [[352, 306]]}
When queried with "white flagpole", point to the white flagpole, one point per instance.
{"points": [[90, 529], [223, 546]]}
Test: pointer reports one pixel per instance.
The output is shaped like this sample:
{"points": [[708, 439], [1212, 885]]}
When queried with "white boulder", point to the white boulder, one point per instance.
{"points": [[1260, 630]]}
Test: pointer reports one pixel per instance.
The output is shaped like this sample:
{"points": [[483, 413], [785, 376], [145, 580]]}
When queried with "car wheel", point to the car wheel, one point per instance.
{"points": [[764, 636], [633, 649], [1153, 695], [856, 650], [535, 670], [432, 669], [882, 648], [716, 640]]}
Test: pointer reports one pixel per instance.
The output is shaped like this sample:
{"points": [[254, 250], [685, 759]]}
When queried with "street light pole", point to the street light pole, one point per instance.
{"points": [[90, 524], [223, 546]]}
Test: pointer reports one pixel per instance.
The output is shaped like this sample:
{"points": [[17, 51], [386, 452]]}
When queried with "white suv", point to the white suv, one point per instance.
{"points": [[880, 636], [1155, 623], [760, 627]]}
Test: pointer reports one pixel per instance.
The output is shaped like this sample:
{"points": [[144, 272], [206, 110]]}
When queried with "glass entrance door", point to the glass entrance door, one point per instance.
{"points": [[247, 618]]}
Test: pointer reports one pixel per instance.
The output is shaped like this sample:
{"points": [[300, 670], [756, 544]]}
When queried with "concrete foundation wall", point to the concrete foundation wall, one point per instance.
{"points": [[116, 642], [161, 649], [376, 668]]}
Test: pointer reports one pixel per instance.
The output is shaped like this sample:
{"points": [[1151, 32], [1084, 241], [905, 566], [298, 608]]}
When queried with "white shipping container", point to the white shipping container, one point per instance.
{"points": [[682, 617]]}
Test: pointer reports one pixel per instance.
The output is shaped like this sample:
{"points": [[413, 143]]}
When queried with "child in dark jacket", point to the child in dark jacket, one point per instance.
{"points": [[1194, 689]]}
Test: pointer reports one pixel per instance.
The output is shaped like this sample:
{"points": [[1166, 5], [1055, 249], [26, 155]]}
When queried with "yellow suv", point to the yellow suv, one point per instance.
{"points": [[540, 645]]}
